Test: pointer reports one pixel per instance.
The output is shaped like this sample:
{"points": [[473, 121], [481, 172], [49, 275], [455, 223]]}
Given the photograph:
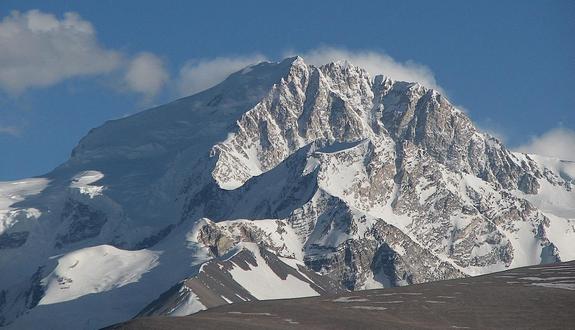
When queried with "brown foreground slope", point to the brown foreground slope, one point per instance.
{"points": [[536, 297]]}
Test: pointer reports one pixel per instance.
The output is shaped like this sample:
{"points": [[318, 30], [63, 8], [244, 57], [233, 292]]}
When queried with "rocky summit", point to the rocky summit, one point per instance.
{"points": [[285, 180]]}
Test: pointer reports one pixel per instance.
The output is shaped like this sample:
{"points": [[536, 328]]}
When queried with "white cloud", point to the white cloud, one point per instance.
{"points": [[558, 142], [39, 49], [375, 63], [10, 130], [146, 74], [199, 74]]}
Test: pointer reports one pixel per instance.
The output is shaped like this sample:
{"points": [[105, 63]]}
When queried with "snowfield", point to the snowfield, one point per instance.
{"points": [[268, 284], [93, 270]]}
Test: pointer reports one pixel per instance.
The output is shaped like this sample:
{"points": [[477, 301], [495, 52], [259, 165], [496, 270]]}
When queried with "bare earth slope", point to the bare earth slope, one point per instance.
{"points": [[538, 297]]}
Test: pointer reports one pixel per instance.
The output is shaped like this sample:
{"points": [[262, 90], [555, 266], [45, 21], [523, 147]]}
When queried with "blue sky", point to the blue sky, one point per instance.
{"points": [[509, 64]]}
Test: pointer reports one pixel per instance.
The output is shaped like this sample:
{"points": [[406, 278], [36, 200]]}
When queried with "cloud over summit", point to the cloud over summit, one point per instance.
{"points": [[199, 74], [558, 142], [40, 50], [146, 74], [375, 63]]}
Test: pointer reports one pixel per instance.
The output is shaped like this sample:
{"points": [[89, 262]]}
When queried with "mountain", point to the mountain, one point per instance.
{"points": [[538, 297], [231, 280], [339, 181]]}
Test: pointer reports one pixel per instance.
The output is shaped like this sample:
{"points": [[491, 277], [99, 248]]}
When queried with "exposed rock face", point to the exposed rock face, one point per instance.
{"points": [[362, 182], [84, 223], [13, 240], [16, 301], [395, 151]]}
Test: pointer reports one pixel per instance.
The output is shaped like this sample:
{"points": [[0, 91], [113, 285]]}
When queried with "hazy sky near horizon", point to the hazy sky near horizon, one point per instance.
{"points": [[68, 66]]}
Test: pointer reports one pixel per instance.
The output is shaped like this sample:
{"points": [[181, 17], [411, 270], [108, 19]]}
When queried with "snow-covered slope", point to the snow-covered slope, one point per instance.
{"points": [[248, 272], [367, 182]]}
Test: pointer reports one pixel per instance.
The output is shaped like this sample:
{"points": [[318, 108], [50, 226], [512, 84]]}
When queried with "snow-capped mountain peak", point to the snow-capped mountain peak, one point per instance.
{"points": [[343, 180]]}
